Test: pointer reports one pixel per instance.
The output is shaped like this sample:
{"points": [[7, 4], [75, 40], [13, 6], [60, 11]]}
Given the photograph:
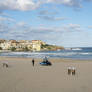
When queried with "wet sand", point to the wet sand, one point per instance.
{"points": [[21, 76]]}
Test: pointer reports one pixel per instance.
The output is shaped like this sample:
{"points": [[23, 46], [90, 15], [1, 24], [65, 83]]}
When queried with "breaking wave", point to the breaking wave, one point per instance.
{"points": [[75, 49], [77, 53]]}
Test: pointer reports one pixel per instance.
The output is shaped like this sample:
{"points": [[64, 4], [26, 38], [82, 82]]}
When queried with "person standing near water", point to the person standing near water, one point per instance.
{"points": [[33, 62]]}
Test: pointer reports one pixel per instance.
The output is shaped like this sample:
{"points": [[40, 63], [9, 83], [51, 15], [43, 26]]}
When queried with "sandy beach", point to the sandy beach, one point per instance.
{"points": [[21, 76]]}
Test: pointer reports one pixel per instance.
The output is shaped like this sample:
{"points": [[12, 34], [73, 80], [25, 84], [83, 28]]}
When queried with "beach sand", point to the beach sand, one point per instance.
{"points": [[21, 76]]}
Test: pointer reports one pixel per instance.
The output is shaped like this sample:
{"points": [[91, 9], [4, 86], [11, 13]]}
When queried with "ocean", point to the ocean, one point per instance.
{"points": [[84, 53]]}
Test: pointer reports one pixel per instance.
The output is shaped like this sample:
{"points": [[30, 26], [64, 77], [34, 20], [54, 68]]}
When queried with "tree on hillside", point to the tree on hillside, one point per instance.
{"points": [[13, 49], [25, 49], [0, 48]]}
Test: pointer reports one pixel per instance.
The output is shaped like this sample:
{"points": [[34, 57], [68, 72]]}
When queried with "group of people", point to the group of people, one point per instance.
{"points": [[45, 60], [71, 70], [5, 65]]}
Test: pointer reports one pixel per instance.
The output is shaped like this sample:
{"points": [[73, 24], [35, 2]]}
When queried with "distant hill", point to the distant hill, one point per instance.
{"points": [[51, 47]]}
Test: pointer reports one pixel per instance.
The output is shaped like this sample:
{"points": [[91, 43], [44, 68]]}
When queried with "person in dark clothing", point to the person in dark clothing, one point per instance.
{"points": [[33, 62], [45, 59]]}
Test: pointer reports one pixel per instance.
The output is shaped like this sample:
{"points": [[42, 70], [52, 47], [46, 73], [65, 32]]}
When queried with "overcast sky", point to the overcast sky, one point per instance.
{"points": [[66, 23]]}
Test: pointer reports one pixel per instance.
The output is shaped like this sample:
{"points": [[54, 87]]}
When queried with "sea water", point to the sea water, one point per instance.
{"points": [[84, 53]]}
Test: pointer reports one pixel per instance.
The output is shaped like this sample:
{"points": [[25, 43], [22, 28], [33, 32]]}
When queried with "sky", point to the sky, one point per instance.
{"points": [[65, 23]]}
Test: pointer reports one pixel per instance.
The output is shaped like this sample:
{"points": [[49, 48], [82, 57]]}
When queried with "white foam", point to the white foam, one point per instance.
{"points": [[47, 54], [85, 53], [76, 49]]}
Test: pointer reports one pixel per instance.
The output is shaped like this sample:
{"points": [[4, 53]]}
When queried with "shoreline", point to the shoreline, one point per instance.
{"points": [[40, 59]]}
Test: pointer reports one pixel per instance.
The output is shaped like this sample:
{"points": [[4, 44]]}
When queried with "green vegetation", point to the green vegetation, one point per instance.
{"points": [[25, 49], [0, 48], [13, 49], [44, 46], [50, 47]]}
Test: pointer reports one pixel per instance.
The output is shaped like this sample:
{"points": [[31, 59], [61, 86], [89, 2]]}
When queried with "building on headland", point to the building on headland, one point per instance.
{"points": [[38, 42], [34, 45], [25, 45], [2, 40], [13, 43], [6, 45]]}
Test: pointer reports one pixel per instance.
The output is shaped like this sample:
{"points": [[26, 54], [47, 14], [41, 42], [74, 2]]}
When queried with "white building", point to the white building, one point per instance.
{"points": [[5, 45]]}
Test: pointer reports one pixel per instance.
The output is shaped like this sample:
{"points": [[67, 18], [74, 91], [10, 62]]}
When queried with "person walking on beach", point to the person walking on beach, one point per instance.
{"points": [[73, 70], [69, 70], [33, 62]]}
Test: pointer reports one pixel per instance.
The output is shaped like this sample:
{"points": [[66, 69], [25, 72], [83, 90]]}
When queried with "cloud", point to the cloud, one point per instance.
{"points": [[50, 15], [52, 18], [26, 5], [46, 12], [40, 32], [72, 3], [90, 27], [22, 30], [3, 14], [72, 27], [6, 19], [22, 5]]}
